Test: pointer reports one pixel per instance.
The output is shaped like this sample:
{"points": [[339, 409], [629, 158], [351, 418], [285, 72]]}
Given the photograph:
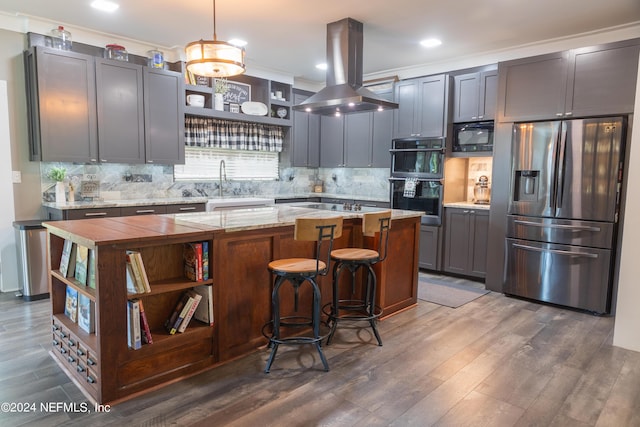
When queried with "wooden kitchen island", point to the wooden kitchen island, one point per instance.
{"points": [[241, 244]]}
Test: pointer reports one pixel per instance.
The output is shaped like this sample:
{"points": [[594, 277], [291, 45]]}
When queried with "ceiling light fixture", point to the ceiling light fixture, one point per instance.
{"points": [[213, 58], [431, 42], [105, 5]]}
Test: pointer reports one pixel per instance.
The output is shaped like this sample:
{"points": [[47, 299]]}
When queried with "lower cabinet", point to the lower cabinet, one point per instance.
{"points": [[54, 214], [465, 246], [429, 247]]}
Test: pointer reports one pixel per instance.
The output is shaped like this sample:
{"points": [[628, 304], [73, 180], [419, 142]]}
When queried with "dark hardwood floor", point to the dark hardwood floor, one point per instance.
{"points": [[496, 361]]}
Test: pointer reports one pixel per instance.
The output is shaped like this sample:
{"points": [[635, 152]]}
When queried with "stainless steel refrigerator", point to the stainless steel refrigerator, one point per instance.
{"points": [[563, 211]]}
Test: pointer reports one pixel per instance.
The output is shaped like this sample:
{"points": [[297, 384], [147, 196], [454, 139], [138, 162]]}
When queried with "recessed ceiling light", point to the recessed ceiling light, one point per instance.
{"points": [[321, 66], [237, 42], [105, 5], [431, 42]]}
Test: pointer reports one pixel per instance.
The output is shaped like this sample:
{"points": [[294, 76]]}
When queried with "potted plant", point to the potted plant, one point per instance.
{"points": [[58, 174], [221, 86]]}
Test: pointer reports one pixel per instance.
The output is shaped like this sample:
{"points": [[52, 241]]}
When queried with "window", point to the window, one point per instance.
{"points": [[249, 150], [203, 164]]}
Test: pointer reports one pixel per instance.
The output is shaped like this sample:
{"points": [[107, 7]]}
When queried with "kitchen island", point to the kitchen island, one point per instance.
{"points": [[241, 244]]}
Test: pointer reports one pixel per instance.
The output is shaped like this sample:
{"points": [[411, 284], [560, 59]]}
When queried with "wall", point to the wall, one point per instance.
{"points": [[627, 331]]}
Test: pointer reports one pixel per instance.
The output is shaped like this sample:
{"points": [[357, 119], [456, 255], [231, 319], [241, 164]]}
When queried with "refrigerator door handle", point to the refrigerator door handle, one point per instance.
{"points": [[555, 251], [559, 185], [563, 226]]}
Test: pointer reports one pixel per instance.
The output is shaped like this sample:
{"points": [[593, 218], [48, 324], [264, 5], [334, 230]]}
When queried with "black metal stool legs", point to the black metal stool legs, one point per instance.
{"points": [[361, 309], [276, 339]]}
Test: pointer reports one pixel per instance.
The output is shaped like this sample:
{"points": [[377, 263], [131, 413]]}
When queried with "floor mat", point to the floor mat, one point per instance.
{"points": [[449, 294]]}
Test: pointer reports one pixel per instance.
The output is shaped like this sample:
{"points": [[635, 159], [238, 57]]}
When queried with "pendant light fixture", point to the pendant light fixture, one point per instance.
{"points": [[213, 58]]}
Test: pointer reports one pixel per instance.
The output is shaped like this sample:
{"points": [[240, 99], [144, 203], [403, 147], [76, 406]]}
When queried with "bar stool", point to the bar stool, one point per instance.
{"points": [[361, 308], [296, 271]]}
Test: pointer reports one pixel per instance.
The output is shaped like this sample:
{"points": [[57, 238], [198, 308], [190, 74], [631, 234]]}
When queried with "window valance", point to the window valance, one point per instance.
{"points": [[229, 134]]}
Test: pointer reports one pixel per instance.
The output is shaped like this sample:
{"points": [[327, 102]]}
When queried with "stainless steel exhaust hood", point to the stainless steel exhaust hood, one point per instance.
{"points": [[344, 92]]}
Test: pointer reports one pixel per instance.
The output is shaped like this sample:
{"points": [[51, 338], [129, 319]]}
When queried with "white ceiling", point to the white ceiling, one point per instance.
{"points": [[289, 36]]}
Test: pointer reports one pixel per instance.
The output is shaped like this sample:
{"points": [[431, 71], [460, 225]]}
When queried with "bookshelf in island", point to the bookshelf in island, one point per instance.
{"points": [[115, 362]]}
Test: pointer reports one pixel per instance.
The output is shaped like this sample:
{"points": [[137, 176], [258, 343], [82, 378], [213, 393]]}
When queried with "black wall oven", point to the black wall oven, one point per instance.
{"points": [[416, 176]]}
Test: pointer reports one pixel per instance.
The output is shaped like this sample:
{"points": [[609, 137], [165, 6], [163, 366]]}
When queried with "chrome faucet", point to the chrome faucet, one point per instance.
{"points": [[223, 167]]}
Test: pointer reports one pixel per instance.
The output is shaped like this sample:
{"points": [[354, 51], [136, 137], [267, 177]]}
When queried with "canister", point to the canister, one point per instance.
{"points": [[116, 51], [156, 58], [61, 38]]}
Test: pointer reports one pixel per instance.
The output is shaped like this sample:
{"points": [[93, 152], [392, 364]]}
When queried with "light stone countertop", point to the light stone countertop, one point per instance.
{"points": [[268, 216], [186, 200], [467, 205]]}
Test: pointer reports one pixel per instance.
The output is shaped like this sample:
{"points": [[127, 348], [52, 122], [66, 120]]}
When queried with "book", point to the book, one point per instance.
{"points": [[135, 270], [144, 325], [187, 303], [143, 272], [71, 303], [82, 264], [68, 259], [91, 271], [86, 314], [204, 311], [198, 247], [196, 297], [190, 261], [133, 324], [205, 260], [131, 285], [173, 317]]}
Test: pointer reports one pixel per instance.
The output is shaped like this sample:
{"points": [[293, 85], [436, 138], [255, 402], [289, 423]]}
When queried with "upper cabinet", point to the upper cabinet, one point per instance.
{"points": [[474, 96], [305, 135], [422, 107], [61, 100], [580, 82], [357, 140], [92, 110]]}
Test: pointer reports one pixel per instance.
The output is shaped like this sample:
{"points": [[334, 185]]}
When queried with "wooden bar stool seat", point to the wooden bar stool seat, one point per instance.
{"points": [[297, 271], [361, 306]]}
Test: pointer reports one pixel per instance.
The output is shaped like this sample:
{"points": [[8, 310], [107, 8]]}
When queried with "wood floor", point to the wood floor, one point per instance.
{"points": [[496, 361]]}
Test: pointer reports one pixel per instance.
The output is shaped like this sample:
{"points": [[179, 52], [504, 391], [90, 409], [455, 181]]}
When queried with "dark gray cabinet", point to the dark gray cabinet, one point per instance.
{"points": [[88, 109], [164, 116], [422, 107], [465, 241], [120, 107], [475, 96], [331, 142], [580, 82], [305, 135], [356, 140], [61, 100], [66, 214], [429, 256]]}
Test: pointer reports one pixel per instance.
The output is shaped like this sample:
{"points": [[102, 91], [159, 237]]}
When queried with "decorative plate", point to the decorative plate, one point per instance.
{"points": [[281, 112], [254, 108]]}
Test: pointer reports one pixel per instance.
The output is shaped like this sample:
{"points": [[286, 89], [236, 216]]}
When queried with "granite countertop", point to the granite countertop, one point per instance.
{"points": [[267, 217], [467, 205], [186, 200]]}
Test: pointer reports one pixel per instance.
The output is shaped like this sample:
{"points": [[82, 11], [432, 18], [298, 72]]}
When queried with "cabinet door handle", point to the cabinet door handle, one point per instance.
{"points": [[144, 211], [188, 208], [559, 114], [569, 113], [481, 117], [95, 214], [473, 117], [465, 211]]}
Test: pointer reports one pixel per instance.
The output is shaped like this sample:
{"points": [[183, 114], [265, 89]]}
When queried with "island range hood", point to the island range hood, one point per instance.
{"points": [[344, 92]]}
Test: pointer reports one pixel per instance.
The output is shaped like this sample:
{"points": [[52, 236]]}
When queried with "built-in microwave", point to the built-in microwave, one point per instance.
{"points": [[472, 137], [417, 157]]}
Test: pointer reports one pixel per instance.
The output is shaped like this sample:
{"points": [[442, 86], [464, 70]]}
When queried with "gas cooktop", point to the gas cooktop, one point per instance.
{"points": [[345, 207]]}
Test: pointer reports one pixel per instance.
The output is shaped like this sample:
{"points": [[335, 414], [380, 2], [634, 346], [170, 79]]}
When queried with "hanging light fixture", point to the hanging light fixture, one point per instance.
{"points": [[213, 58]]}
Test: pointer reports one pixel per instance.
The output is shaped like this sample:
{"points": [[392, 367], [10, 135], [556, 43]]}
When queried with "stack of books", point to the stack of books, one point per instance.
{"points": [[137, 280], [196, 261]]}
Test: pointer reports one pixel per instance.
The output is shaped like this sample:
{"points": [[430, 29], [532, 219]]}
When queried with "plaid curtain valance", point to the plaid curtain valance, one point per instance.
{"points": [[215, 133]]}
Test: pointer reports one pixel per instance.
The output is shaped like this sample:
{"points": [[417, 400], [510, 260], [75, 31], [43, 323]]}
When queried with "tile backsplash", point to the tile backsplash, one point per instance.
{"points": [[128, 182]]}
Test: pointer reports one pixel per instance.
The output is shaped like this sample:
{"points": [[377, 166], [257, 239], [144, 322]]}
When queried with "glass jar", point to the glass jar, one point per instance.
{"points": [[61, 38], [115, 51], [156, 59]]}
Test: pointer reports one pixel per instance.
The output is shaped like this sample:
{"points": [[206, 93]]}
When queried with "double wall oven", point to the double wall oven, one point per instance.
{"points": [[416, 176]]}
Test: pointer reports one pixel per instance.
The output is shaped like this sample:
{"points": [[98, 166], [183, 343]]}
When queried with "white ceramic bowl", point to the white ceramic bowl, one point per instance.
{"points": [[195, 100]]}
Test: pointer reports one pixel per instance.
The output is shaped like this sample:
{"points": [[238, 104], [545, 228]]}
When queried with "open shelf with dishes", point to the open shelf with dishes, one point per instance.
{"points": [[268, 101]]}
